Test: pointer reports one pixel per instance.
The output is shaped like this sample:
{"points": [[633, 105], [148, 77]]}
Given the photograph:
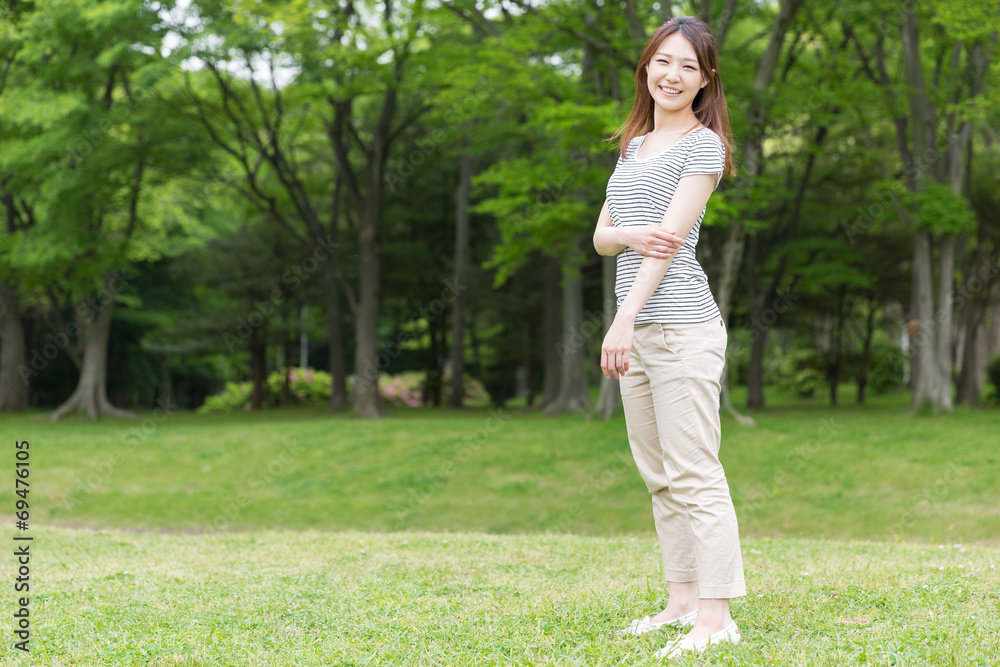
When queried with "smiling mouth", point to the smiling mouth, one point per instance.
{"points": [[669, 91]]}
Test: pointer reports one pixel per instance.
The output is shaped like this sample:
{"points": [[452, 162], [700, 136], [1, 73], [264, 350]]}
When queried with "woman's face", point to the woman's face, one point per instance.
{"points": [[673, 75]]}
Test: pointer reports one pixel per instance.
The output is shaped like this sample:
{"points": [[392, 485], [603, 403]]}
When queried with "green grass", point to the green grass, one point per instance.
{"points": [[353, 598], [438, 537], [868, 472]]}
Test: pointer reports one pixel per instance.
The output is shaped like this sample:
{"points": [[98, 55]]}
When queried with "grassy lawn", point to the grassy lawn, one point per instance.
{"points": [[870, 472], [438, 537], [353, 598]]}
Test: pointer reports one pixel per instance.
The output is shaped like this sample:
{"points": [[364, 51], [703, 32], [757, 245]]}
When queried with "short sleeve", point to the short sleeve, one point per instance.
{"points": [[707, 156]]}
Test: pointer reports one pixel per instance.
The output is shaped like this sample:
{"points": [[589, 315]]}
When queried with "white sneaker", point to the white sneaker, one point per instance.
{"points": [[682, 644], [644, 625]]}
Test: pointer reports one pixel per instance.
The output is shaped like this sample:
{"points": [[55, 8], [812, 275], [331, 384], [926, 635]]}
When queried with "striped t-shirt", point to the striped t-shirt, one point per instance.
{"points": [[639, 192]]}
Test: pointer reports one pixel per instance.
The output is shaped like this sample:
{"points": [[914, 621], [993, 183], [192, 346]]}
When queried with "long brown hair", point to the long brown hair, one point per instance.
{"points": [[709, 104]]}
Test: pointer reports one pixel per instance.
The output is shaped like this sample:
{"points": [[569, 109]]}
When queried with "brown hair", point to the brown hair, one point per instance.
{"points": [[709, 104]]}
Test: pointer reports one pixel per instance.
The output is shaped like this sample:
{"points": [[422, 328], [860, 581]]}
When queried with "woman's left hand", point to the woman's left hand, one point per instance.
{"points": [[616, 348]]}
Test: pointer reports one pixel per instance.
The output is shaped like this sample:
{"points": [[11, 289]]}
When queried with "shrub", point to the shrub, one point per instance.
{"points": [[403, 389], [993, 377], [306, 387], [311, 387], [475, 392], [801, 372], [885, 368], [236, 395]]}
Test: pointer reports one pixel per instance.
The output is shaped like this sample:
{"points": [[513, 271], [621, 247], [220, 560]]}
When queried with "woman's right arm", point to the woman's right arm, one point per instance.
{"points": [[648, 240], [607, 237]]}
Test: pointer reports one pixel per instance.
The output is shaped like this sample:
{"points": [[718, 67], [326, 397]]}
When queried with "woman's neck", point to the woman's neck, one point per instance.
{"points": [[667, 123]]}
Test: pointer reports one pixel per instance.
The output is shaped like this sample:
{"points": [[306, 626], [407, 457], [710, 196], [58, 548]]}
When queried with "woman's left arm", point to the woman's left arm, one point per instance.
{"points": [[689, 199]]}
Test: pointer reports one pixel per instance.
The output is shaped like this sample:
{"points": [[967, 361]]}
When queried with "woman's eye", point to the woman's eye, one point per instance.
{"points": [[689, 67]]}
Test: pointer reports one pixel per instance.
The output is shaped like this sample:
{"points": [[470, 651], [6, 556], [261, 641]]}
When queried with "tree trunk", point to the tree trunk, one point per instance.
{"points": [[866, 351], [13, 355], [732, 251], [286, 356], [338, 369], [366, 364], [166, 397], [91, 394], [732, 255], [465, 168], [433, 383], [553, 327], [755, 369], [258, 367], [922, 334], [366, 358], [836, 348], [574, 395], [760, 328], [943, 323], [968, 382], [993, 336], [610, 397]]}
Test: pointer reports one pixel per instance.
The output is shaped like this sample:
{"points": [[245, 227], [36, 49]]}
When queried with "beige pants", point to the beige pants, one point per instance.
{"points": [[671, 399]]}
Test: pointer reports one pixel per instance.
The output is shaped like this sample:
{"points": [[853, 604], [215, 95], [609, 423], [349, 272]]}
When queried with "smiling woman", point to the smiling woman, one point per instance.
{"points": [[667, 343]]}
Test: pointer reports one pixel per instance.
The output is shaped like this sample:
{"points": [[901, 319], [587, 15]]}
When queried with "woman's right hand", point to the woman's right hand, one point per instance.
{"points": [[652, 241]]}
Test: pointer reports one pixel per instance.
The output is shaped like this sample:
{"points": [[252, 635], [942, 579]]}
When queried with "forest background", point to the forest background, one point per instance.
{"points": [[222, 205]]}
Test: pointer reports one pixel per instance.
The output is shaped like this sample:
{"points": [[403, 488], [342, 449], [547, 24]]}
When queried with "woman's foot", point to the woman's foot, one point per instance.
{"points": [[713, 616], [677, 610], [690, 644], [647, 624]]}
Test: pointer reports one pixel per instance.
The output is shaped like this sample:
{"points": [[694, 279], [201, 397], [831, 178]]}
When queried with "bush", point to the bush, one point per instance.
{"points": [[993, 377], [403, 389], [885, 368], [306, 387], [236, 395], [801, 372], [312, 387]]}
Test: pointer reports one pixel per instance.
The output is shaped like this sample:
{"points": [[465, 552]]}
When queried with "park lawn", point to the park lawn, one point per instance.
{"points": [[300, 598], [855, 472]]}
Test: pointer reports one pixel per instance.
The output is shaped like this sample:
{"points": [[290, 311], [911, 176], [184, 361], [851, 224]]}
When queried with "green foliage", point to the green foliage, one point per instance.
{"points": [[403, 388], [306, 387], [885, 370], [235, 396], [939, 209], [312, 387], [993, 376], [801, 371]]}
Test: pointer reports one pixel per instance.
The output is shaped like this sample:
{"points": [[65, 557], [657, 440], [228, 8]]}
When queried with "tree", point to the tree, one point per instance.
{"points": [[932, 203], [84, 146]]}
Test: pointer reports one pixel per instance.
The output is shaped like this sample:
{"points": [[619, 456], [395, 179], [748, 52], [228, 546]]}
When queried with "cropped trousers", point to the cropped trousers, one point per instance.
{"points": [[671, 399]]}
